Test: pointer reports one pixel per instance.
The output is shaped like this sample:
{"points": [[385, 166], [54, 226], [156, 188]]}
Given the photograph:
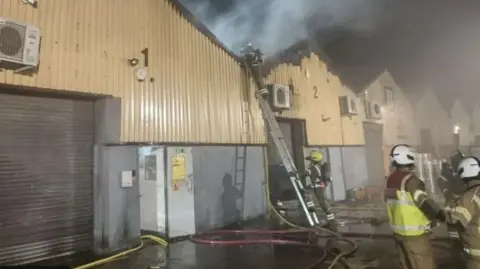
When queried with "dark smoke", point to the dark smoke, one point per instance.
{"points": [[274, 25]]}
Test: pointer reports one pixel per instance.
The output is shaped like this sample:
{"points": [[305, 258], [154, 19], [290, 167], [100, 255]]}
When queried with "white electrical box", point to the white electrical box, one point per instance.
{"points": [[127, 179]]}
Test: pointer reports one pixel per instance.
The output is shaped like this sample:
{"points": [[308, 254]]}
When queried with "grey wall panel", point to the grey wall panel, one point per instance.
{"points": [[108, 113], [354, 166], [222, 195], [336, 166], [46, 177], [117, 209], [374, 152]]}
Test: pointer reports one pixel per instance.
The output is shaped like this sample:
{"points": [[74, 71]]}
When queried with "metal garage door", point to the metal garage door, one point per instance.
{"points": [[286, 129], [374, 153], [46, 171]]}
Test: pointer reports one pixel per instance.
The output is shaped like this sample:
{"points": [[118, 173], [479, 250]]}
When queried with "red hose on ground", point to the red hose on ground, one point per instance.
{"points": [[202, 238]]}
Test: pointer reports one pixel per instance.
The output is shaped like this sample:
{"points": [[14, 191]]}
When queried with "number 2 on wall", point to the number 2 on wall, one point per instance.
{"points": [[315, 92]]}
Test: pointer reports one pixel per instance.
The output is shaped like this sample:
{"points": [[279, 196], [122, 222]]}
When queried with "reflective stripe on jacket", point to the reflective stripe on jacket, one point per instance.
{"points": [[405, 217]]}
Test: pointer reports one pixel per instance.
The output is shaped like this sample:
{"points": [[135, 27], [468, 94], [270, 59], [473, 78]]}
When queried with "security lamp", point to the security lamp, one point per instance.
{"points": [[33, 3], [456, 129], [133, 62]]}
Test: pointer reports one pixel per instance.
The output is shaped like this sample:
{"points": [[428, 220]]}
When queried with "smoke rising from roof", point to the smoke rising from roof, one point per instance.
{"points": [[274, 25]]}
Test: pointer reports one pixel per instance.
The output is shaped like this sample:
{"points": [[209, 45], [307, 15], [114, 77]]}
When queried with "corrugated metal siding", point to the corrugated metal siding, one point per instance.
{"points": [[197, 86], [331, 129], [46, 177]]}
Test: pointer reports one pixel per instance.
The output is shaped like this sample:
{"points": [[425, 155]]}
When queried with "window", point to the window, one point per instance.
{"points": [[388, 92]]}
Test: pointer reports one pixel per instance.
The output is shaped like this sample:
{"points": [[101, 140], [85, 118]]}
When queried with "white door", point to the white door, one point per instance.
{"points": [[149, 174]]}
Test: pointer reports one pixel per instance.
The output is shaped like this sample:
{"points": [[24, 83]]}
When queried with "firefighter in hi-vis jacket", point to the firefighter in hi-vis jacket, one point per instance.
{"points": [[320, 177], [464, 212], [410, 211]]}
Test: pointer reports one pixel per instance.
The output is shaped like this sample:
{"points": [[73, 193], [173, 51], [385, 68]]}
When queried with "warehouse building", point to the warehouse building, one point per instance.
{"points": [[438, 119], [137, 118], [114, 78], [357, 137]]}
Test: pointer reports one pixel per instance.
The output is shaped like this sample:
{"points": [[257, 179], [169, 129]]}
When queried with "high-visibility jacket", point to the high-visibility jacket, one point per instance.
{"points": [[405, 216]]}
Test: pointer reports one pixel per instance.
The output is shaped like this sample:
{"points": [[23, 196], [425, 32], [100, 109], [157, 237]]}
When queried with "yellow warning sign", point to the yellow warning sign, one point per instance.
{"points": [[178, 170]]}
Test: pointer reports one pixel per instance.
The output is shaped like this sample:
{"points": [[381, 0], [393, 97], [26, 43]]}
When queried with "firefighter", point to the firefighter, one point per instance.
{"points": [[464, 212], [410, 211], [319, 174], [446, 177]]}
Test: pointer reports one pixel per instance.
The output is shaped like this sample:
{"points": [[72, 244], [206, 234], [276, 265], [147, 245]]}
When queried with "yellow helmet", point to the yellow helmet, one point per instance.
{"points": [[316, 156]]}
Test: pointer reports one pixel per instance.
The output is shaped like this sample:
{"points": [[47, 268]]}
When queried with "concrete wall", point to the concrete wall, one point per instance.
{"points": [[85, 47], [316, 99], [116, 209], [398, 118], [348, 168], [220, 201], [463, 119]]}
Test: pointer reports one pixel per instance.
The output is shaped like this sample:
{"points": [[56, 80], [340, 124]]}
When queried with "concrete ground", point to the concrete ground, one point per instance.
{"points": [[379, 252]]}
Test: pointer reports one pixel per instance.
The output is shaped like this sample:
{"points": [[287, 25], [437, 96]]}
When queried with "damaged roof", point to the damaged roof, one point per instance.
{"points": [[354, 71]]}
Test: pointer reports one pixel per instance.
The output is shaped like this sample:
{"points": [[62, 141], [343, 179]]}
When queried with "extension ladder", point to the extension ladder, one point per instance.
{"points": [[253, 60]]}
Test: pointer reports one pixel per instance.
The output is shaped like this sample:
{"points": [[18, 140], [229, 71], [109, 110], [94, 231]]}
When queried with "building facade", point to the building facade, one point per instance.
{"points": [[76, 173], [193, 84]]}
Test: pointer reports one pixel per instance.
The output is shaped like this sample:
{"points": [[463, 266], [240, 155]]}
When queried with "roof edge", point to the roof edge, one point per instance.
{"points": [[190, 17]]}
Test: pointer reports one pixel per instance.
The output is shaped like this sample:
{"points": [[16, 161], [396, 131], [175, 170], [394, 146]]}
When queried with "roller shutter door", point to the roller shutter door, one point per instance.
{"points": [[46, 174], [286, 129]]}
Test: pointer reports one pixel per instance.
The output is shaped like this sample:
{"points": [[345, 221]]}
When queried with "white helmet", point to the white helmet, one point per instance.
{"points": [[402, 155], [469, 167]]}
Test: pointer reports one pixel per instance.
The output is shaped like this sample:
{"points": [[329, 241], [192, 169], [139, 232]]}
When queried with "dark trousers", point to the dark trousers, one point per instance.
{"points": [[322, 200]]}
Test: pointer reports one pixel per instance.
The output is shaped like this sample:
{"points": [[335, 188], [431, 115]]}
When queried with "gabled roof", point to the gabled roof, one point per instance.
{"points": [[184, 12], [294, 56]]}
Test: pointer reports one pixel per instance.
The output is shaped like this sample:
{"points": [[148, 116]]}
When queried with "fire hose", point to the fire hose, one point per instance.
{"points": [[200, 238], [339, 258]]}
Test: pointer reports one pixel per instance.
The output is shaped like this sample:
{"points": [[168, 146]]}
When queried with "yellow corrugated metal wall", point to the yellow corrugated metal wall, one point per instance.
{"points": [[322, 114], [199, 93]]}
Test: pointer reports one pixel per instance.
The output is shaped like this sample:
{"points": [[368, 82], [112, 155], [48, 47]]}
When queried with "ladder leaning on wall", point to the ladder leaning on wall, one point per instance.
{"points": [[253, 59]]}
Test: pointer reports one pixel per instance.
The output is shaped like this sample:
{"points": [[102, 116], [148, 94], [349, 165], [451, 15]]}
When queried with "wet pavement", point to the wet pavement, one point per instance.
{"points": [[379, 252]]}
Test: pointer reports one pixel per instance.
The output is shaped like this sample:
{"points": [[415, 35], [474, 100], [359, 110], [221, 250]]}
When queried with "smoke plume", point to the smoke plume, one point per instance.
{"points": [[274, 25]]}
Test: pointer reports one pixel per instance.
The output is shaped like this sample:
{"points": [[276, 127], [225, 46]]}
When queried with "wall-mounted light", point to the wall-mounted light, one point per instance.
{"points": [[133, 62], [33, 3], [456, 129]]}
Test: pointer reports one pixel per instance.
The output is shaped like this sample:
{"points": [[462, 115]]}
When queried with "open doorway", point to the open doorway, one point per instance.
{"points": [[294, 134]]}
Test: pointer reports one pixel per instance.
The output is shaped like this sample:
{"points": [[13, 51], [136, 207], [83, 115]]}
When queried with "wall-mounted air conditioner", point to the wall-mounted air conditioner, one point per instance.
{"points": [[280, 96], [348, 105], [373, 110], [19, 43]]}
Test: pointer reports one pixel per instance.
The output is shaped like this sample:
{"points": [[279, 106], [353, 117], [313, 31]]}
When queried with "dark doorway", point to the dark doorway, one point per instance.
{"points": [[293, 131]]}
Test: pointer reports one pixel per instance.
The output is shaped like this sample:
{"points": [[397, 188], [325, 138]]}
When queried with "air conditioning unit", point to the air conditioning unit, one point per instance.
{"points": [[373, 110], [19, 43], [280, 96], [348, 105]]}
